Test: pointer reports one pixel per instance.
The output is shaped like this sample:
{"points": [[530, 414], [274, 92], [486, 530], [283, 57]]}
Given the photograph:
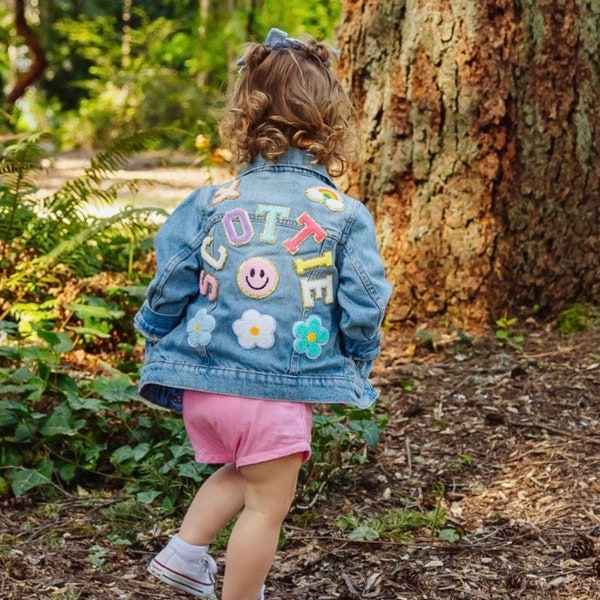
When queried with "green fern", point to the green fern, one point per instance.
{"points": [[76, 251], [20, 159], [37, 235], [65, 208], [90, 184]]}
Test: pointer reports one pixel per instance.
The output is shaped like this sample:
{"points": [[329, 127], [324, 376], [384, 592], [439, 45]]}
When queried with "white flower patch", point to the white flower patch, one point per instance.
{"points": [[255, 330]]}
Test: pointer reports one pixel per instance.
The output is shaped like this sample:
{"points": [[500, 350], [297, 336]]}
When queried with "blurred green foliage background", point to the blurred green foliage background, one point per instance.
{"points": [[120, 66]]}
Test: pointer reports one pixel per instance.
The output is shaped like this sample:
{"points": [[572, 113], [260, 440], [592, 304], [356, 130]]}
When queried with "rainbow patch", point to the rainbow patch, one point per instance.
{"points": [[327, 196]]}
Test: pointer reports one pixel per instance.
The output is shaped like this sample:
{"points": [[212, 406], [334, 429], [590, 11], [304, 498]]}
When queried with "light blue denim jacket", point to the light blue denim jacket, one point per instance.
{"points": [[270, 286]]}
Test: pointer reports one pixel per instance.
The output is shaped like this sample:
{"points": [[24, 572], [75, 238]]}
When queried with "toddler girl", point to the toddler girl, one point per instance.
{"points": [[268, 298]]}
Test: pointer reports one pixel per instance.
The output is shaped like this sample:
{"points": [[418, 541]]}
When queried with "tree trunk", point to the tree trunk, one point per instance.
{"points": [[479, 126], [38, 63]]}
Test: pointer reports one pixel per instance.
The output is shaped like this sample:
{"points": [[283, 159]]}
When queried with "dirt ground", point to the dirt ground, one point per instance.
{"points": [[508, 438]]}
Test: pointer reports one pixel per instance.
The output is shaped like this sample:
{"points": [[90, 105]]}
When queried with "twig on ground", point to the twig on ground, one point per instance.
{"points": [[408, 455], [553, 429]]}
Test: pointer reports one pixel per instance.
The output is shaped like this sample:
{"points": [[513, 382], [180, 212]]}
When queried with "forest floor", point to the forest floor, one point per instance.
{"points": [[504, 439]]}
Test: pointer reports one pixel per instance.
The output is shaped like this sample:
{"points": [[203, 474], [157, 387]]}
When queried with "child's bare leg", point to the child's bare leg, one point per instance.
{"points": [[217, 501], [269, 489]]}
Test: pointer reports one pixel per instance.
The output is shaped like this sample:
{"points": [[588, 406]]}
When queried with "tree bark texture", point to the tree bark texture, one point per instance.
{"points": [[479, 126]]}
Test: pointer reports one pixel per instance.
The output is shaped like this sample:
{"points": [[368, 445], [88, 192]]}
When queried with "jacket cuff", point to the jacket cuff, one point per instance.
{"points": [[152, 325], [363, 351]]}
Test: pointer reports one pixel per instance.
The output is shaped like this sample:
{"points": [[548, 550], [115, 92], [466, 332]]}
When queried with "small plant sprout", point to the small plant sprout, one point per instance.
{"points": [[505, 334]]}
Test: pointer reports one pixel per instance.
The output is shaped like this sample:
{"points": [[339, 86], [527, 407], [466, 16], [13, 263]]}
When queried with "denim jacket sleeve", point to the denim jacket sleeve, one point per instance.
{"points": [[363, 291], [177, 268]]}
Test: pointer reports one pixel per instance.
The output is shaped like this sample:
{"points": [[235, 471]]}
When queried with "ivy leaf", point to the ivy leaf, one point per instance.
{"points": [[449, 535], [60, 342], [369, 431], [61, 422], [148, 496], [26, 479], [363, 534]]}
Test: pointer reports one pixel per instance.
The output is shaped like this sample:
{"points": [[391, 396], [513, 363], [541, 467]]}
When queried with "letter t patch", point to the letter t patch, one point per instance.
{"points": [[310, 229]]}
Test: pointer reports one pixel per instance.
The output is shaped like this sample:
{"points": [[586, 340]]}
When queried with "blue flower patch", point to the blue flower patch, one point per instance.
{"points": [[310, 337], [200, 328]]}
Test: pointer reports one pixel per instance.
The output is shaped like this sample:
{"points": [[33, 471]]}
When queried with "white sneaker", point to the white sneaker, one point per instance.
{"points": [[196, 578]]}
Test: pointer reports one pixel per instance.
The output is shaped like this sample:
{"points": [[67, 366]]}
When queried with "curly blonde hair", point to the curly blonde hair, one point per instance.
{"points": [[289, 97]]}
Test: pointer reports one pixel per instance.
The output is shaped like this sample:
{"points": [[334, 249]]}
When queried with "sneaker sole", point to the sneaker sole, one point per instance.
{"points": [[179, 581]]}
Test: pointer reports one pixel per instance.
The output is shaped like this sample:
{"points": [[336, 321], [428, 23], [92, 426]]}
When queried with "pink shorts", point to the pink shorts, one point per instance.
{"points": [[245, 431]]}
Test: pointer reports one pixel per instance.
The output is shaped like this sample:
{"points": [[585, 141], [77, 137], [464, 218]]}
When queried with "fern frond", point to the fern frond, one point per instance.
{"points": [[20, 162], [13, 219], [116, 155], [62, 220], [58, 229], [105, 163], [111, 193], [67, 250], [23, 156]]}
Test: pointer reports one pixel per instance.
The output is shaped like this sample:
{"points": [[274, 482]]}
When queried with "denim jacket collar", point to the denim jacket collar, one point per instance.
{"points": [[293, 159]]}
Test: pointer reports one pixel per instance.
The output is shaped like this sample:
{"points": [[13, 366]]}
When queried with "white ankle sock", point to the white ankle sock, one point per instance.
{"points": [[187, 551]]}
